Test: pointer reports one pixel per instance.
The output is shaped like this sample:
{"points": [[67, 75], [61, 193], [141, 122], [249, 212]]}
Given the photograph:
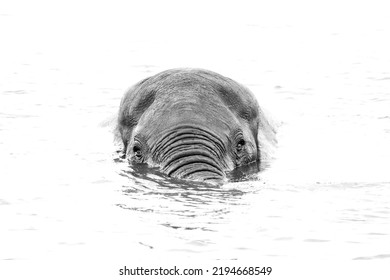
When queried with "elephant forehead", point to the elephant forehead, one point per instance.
{"points": [[186, 102], [162, 116]]}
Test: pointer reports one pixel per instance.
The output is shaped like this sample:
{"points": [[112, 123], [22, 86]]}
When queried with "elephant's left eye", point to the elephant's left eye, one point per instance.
{"points": [[240, 145]]}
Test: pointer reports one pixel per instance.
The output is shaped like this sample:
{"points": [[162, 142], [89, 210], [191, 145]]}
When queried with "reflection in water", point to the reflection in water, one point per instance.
{"points": [[180, 198]]}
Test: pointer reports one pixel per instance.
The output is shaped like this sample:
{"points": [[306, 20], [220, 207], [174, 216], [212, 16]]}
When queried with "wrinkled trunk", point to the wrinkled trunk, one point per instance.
{"points": [[191, 153]]}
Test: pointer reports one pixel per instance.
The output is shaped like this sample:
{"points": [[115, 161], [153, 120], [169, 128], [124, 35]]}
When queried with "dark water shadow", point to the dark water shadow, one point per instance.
{"points": [[248, 172], [179, 204], [151, 181], [145, 177]]}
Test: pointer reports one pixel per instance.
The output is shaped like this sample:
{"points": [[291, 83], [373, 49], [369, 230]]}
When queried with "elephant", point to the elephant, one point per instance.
{"points": [[194, 124]]}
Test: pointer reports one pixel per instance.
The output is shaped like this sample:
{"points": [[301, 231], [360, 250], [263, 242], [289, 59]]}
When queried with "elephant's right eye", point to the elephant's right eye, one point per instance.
{"points": [[137, 151]]}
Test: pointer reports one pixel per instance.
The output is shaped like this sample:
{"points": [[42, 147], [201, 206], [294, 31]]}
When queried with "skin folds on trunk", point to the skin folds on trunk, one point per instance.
{"points": [[191, 153]]}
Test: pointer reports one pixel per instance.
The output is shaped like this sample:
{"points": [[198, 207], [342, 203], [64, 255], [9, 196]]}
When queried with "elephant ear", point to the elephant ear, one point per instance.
{"points": [[266, 137], [134, 103], [111, 125]]}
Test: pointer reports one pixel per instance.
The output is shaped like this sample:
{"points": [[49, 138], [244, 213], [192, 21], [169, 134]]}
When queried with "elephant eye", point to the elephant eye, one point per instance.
{"points": [[240, 145], [137, 151]]}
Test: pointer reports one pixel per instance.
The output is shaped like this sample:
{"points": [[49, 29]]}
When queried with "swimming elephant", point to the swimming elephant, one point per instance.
{"points": [[194, 124]]}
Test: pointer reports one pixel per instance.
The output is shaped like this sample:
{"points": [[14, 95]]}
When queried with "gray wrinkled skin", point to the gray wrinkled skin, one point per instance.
{"points": [[194, 124]]}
